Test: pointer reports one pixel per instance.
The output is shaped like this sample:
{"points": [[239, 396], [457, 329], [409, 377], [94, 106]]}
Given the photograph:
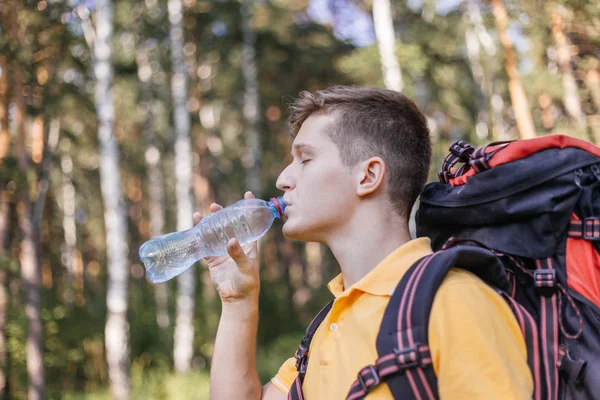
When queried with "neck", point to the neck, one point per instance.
{"points": [[359, 250]]}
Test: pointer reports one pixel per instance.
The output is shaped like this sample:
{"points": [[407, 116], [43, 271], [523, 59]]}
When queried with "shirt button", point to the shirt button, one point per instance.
{"points": [[333, 327]]}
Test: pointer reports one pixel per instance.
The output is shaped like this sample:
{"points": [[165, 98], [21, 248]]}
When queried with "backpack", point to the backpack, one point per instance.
{"points": [[524, 216]]}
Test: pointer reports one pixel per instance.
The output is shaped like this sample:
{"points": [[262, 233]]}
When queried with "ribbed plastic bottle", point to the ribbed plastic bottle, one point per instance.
{"points": [[169, 255]]}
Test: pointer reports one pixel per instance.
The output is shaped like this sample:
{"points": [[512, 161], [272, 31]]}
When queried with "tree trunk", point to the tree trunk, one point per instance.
{"points": [[251, 100], [473, 54], [386, 40], [4, 298], [571, 98], [30, 275], [4, 103], [517, 93], [592, 81], [480, 76], [155, 183], [545, 104], [477, 38], [116, 330], [69, 227], [314, 264], [428, 10], [155, 179], [186, 282], [44, 182], [30, 269], [4, 219]]}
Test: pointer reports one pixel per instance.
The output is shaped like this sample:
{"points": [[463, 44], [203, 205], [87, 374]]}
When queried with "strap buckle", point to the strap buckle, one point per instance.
{"points": [[409, 357], [365, 382], [575, 369], [462, 150], [445, 176], [591, 229], [544, 281], [301, 357]]}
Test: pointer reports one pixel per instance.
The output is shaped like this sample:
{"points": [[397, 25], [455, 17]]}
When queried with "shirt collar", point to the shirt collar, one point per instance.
{"points": [[383, 279]]}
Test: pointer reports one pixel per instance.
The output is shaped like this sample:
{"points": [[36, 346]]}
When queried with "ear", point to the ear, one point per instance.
{"points": [[371, 175]]}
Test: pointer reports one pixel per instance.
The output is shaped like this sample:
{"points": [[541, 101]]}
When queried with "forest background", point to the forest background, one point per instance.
{"points": [[120, 118]]}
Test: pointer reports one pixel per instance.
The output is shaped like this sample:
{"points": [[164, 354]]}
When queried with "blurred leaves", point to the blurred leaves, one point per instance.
{"points": [[294, 53]]}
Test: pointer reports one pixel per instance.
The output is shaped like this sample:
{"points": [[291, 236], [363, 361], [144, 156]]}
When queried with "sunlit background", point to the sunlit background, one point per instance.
{"points": [[119, 118]]}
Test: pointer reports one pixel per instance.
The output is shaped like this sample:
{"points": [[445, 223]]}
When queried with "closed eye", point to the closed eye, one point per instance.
{"points": [[304, 161]]}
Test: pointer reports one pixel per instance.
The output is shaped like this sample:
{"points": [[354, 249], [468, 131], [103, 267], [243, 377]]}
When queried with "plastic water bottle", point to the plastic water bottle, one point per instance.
{"points": [[169, 255]]}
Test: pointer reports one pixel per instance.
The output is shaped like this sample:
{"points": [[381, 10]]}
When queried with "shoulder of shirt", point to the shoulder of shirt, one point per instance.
{"points": [[462, 286], [463, 292], [459, 276], [465, 287]]}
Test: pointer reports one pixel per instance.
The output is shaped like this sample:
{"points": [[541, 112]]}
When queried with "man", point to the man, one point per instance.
{"points": [[360, 159]]}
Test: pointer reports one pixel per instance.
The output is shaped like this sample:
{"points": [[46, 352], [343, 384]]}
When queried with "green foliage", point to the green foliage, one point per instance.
{"points": [[156, 385], [269, 358], [293, 53]]}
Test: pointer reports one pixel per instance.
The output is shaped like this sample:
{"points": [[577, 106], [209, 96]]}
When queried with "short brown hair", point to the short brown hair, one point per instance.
{"points": [[374, 122]]}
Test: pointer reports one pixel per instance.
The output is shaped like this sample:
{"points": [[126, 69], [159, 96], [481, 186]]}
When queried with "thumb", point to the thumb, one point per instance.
{"points": [[236, 252]]}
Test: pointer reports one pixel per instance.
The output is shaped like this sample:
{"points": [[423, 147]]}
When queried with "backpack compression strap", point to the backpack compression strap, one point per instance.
{"points": [[588, 229], [546, 359], [301, 356], [404, 361]]}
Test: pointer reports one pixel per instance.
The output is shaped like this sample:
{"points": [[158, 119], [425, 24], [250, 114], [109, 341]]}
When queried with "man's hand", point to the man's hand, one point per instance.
{"points": [[235, 275]]}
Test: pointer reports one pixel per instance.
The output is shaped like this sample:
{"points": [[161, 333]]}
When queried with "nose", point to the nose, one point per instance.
{"points": [[285, 180]]}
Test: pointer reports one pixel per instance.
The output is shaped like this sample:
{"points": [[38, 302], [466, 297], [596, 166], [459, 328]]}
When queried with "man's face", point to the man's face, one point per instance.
{"points": [[319, 189]]}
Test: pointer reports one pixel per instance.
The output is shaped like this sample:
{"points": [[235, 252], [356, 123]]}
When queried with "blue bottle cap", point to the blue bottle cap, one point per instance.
{"points": [[280, 204]]}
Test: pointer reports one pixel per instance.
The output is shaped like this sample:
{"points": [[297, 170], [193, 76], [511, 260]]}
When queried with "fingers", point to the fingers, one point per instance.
{"points": [[214, 207], [235, 250], [238, 254], [196, 217]]}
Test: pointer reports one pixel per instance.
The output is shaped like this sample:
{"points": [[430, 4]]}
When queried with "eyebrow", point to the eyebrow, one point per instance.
{"points": [[303, 147]]}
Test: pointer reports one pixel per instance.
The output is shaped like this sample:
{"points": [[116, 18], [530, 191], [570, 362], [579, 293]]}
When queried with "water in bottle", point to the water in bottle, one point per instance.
{"points": [[247, 220]]}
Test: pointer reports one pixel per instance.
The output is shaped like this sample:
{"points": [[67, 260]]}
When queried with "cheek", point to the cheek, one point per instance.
{"points": [[329, 190], [317, 184]]}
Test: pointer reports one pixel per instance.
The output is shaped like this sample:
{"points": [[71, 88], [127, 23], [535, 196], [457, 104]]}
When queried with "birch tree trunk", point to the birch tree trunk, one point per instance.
{"points": [[155, 179], [390, 68], [116, 330], [571, 98], [477, 38], [386, 40], [480, 76], [69, 227], [251, 100], [30, 274], [517, 93], [473, 53], [30, 269], [186, 282]]}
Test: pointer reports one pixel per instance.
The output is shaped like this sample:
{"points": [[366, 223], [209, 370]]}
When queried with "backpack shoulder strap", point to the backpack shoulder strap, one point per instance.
{"points": [[405, 362], [301, 356]]}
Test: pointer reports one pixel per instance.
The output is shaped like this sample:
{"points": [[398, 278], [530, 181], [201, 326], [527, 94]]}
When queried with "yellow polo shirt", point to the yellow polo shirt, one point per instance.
{"points": [[477, 347]]}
